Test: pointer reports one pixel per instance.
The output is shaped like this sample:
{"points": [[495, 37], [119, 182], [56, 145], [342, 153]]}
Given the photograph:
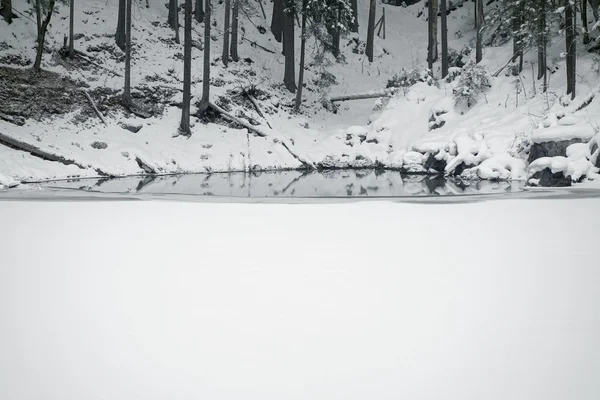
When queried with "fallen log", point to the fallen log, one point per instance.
{"points": [[145, 166], [94, 107], [87, 58], [361, 96], [258, 110], [20, 121], [238, 121], [43, 154]]}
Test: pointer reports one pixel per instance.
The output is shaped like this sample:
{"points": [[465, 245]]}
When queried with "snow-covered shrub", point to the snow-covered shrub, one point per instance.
{"points": [[459, 58], [472, 82], [405, 79]]}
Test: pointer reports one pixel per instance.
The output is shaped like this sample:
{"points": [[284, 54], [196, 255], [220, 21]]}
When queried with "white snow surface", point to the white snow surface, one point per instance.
{"points": [[169, 300]]}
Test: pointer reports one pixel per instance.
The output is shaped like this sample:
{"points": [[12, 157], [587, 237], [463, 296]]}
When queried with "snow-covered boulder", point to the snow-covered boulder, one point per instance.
{"points": [[553, 141]]}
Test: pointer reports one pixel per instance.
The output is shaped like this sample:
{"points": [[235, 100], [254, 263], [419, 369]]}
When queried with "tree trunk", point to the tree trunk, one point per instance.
{"points": [[184, 127], [431, 17], [435, 30], [574, 54], [42, 28], [570, 45], [444, 27], [234, 31], [302, 52], [277, 19], [226, 33], [71, 23], [371, 30], [289, 77], [542, 44], [199, 12], [120, 35], [7, 14], [354, 24], [127, 88], [173, 18], [479, 27], [584, 22], [337, 34], [204, 103]]}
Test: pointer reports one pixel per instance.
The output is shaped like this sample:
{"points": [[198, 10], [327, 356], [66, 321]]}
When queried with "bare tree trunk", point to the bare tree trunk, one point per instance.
{"points": [[354, 25], [542, 45], [302, 53], [71, 23], [277, 19], [120, 36], [127, 88], [444, 27], [7, 14], [479, 27], [204, 103], [584, 22], [225, 55], [184, 127], [337, 34], [42, 29], [574, 54], [570, 44], [431, 17], [435, 30], [289, 77], [173, 18], [371, 30], [199, 12], [234, 30]]}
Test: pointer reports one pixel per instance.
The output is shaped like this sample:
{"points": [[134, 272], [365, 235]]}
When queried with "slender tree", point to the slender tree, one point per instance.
{"points": [[289, 77], [120, 36], [354, 25], [371, 30], [184, 127], [234, 30], [173, 18], [42, 29], [277, 19], [6, 12], [444, 28], [127, 102], [206, 73], [199, 12], [226, 33], [337, 32], [431, 33], [479, 28], [71, 23], [542, 43], [584, 22], [570, 30], [302, 54]]}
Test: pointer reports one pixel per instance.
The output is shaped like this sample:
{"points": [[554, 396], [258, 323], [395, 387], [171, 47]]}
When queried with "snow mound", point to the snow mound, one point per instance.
{"points": [[563, 132], [501, 166]]}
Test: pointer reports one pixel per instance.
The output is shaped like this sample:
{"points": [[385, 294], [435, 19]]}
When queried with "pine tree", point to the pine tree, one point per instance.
{"points": [[120, 36], [289, 77], [444, 28], [44, 10], [71, 23], [371, 30], [226, 33], [234, 30], [204, 102], [127, 102], [184, 126]]}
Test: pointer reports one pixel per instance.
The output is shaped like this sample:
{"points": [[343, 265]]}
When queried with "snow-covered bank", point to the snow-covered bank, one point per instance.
{"points": [[418, 129], [156, 300]]}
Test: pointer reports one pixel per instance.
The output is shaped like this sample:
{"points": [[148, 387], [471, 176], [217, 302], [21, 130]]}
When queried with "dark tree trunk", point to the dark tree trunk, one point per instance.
{"points": [[570, 48], [542, 44], [173, 18], [444, 27], [7, 14], [584, 22], [431, 17], [234, 30], [199, 12], [354, 25], [127, 89], [42, 29], [289, 77], [434, 28], [337, 32], [206, 73], [120, 36], [302, 52], [277, 19], [71, 23], [479, 27], [371, 30], [226, 33], [184, 127]]}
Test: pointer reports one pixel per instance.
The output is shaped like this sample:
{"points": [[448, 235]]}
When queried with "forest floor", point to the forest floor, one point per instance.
{"points": [[491, 140]]}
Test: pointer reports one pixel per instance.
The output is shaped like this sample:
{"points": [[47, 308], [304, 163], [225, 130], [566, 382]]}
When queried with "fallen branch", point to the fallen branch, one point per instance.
{"points": [[87, 58], [512, 59], [44, 155], [361, 96], [258, 110], [253, 43], [145, 166], [238, 121], [20, 121], [94, 107]]}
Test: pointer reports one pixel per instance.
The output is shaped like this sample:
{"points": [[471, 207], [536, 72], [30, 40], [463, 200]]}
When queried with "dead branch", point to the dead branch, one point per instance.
{"points": [[87, 58], [258, 110], [43, 154], [361, 96], [238, 121], [94, 107]]}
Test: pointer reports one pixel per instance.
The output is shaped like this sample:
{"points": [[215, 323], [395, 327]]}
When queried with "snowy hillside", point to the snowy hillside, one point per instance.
{"points": [[417, 129]]}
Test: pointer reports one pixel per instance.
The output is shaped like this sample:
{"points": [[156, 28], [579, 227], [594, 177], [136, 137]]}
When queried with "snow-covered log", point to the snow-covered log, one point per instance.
{"points": [[361, 96]]}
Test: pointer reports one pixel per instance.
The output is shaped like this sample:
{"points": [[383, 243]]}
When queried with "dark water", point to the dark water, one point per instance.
{"points": [[317, 184]]}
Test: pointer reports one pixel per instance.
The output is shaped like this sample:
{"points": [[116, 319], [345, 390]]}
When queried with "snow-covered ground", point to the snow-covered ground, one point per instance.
{"points": [[491, 136], [377, 300]]}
